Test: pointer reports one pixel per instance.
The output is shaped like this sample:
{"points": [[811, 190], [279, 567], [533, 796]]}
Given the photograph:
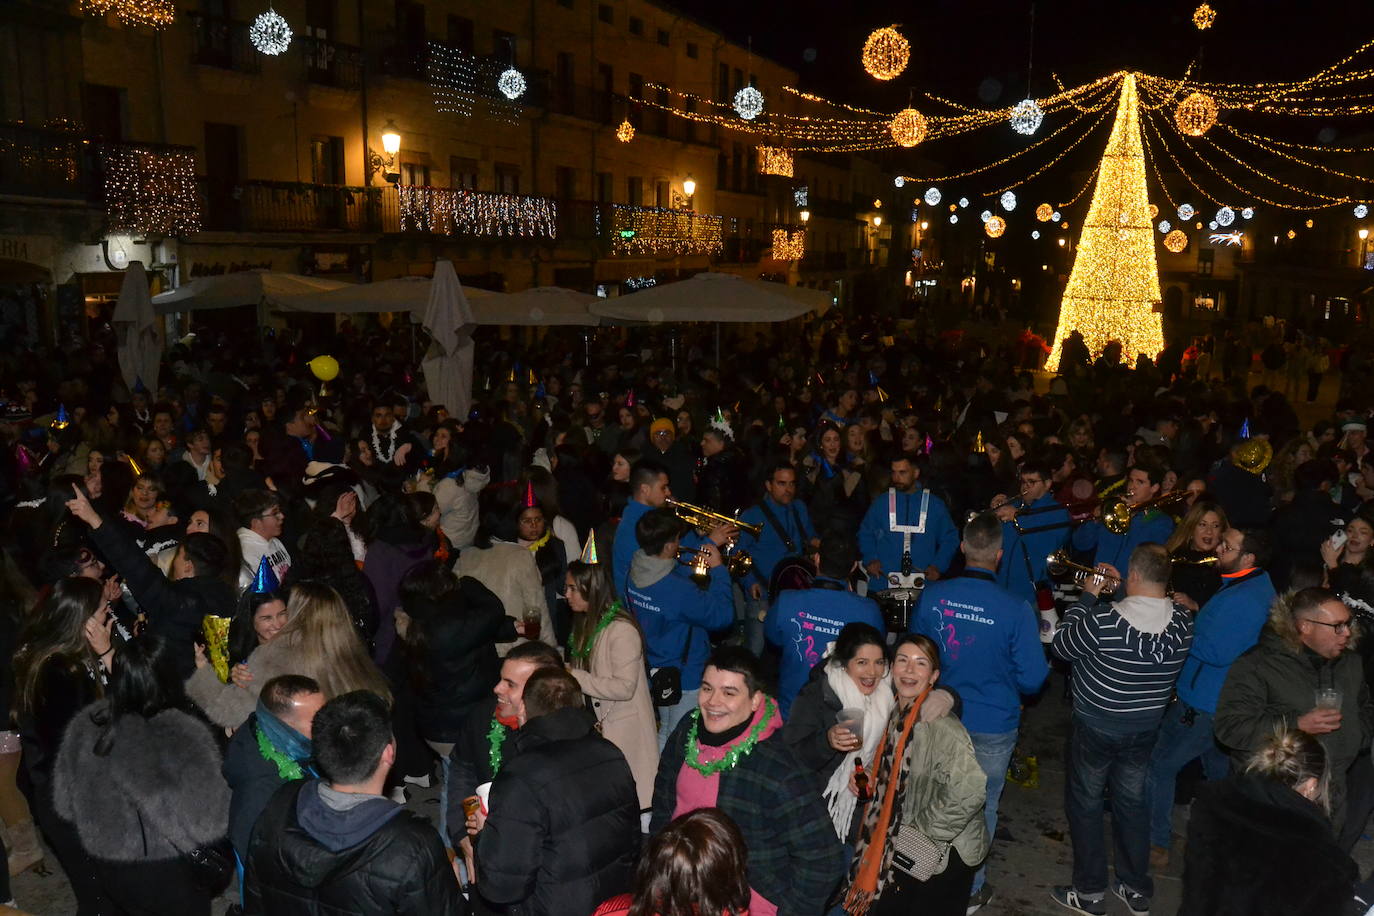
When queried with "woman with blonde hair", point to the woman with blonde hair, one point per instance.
{"points": [[318, 641], [1193, 541]]}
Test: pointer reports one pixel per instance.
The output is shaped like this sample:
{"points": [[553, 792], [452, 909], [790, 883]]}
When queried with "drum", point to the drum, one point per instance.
{"points": [[790, 573], [897, 606]]}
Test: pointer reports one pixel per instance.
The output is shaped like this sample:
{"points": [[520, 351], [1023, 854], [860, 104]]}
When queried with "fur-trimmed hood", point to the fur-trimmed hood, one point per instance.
{"points": [[157, 794]]}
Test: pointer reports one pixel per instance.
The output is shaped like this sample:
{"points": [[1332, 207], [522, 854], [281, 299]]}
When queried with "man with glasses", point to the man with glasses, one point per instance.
{"points": [[1033, 527], [604, 437], [1226, 626], [1304, 672], [260, 525]]}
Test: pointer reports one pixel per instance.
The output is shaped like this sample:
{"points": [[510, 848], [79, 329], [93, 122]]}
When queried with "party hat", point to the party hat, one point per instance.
{"points": [[531, 378], [929, 444], [978, 446], [589, 550], [872, 378], [720, 415], [22, 459], [510, 376], [882, 395], [216, 631], [61, 421], [133, 466], [781, 424], [1245, 429], [539, 391], [530, 501], [265, 581], [139, 387], [630, 398]]}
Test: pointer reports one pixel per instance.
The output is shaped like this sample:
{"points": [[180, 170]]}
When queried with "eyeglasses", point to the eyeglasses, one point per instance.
{"points": [[274, 513], [1225, 547], [1344, 626]]}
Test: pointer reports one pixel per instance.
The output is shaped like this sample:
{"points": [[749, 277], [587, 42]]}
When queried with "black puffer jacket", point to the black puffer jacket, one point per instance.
{"points": [[376, 858], [175, 609], [458, 657], [563, 833]]}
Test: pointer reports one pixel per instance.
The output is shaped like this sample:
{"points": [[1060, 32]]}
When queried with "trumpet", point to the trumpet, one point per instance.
{"points": [[1209, 560], [1058, 563], [1117, 513], [703, 519], [699, 561]]}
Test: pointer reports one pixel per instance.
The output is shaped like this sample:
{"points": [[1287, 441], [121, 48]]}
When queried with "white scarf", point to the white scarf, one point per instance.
{"points": [[877, 706]]}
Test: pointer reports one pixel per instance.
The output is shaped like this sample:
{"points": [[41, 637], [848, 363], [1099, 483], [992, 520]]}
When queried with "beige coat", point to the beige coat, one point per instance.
{"points": [[510, 572], [619, 690], [228, 704]]}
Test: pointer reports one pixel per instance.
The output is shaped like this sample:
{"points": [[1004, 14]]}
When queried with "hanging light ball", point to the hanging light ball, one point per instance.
{"points": [[270, 33], [1292, 234], [1044, 213], [1186, 211], [1212, 225], [1309, 224], [1035, 233], [1247, 213], [625, 132], [1203, 17], [953, 207], [1008, 201], [1176, 241], [953, 218], [963, 201], [995, 227], [985, 215], [932, 196], [748, 103], [1026, 117], [1196, 114], [886, 53], [511, 82], [1361, 211], [1055, 216], [1154, 211], [898, 181], [1226, 216], [908, 127], [1165, 226]]}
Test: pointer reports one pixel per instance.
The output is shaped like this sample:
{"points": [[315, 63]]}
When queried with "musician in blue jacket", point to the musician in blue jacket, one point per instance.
{"points": [[648, 490], [787, 532], [1149, 526], [1031, 531], [907, 516], [674, 613]]}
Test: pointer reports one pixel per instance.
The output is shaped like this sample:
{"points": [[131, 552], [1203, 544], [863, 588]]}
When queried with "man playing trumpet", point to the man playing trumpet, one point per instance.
{"points": [[1147, 525]]}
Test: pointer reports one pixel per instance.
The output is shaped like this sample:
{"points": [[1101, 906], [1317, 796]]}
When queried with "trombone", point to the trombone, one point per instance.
{"points": [[703, 520], [1117, 514], [1058, 563]]}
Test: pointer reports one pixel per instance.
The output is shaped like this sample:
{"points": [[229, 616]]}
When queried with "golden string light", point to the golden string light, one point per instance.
{"points": [[625, 132], [1203, 17], [886, 53], [995, 226], [149, 190], [458, 211], [789, 245], [908, 127], [1044, 213], [1196, 114], [1176, 241], [1114, 286], [652, 230], [775, 160], [157, 14]]}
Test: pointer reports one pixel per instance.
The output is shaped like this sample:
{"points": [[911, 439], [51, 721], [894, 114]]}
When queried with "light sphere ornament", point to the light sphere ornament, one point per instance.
{"points": [[1203, 17], [748, 103], [985, 215], [932, 196], [953, 218], [1176, 241], [908, 127], [1055, 216], [1247, 213], [625, 132], [886, 53], [1026, 117], [1035, 233], [1361, 211], [1186, 211], [1225, 216], [1212, 225], [511, 83], [963, 201], [1196, 114], [1044, 213], [898, 181], [270, 33], [1008, 201], [995, 227], [1154, 212], [1165, 226]]}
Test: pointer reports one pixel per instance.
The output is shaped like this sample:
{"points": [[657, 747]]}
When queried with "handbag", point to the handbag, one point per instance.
{"points": [[212, 866], [665, 684], [914, 854]]}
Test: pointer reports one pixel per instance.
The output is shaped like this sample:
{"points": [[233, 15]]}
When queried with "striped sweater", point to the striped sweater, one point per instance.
{"points": [[1122, 677]]}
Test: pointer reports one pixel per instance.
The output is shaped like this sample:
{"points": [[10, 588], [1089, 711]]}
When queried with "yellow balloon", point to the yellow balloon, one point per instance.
{"points": [[325, 368]]}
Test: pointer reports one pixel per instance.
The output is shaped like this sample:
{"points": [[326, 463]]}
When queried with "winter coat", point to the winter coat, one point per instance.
{"points": [[814, 711], [1274, 683], [252, 781], [947, 789], [676, 616], [795, 859], [804, 623], [510, 572], [457, 501], [1257, 848], [1299, 529], [63, 690], [175, 609], [617, 685], [156, 795], [460, 662], [563, 832], [1246, 497], [385, 566], [1225, 627], [229, 704], [376, 858]]}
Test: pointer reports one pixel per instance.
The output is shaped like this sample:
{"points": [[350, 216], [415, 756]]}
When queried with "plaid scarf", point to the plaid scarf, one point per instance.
{"points": [[872, 862]]}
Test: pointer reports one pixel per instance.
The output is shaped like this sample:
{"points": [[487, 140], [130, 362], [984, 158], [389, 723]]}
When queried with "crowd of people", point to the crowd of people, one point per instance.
{"points": [[672, 637]]}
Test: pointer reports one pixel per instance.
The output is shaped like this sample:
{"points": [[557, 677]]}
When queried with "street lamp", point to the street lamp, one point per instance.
{"points": [[804, 216], [1364, 234], [877, 222], [391, 145], [683, 201], [689, 187]]}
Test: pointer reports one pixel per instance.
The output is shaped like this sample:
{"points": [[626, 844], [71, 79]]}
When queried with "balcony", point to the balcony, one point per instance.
{"points": [[222, 43], [331, 64], [281, 206], [48, 163]]}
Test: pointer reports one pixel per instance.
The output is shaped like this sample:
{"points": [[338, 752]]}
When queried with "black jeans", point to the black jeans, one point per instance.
{"points": [[945, 894], [79, 867]]}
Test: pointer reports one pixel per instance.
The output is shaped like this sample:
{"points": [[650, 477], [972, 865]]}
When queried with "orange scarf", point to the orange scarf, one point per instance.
{"points": [[864, 886]]}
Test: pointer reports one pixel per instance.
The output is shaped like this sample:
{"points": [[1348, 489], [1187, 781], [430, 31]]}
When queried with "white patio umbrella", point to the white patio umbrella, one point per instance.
{"points": [[246, 287], [545, 305], [139, 346], [541, 306], [447, 364], [714, 297]]}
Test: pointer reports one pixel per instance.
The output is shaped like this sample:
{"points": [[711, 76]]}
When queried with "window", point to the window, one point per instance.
{"points": [[1204, 261], [663, 37], [604, 194], [410, 24], [634, 188], [605, 13], [415, 173], [636, 113], [723, 83], [326, 160], [460, 33], [503, 47], [689, 125], [462, 173], [692, 50], [636, 25], [507, 178], [566, 4], [565, 182], [662, 194], [563, 95], [103, 108]]}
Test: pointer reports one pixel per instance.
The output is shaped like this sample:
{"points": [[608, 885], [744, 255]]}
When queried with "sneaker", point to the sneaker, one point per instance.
{"points": [[1159, 857], [1073, 899], [1138, 904], [981, 898]]}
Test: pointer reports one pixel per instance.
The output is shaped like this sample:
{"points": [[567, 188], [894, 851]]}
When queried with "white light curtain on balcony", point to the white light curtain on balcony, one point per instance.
{"points": [[447, 364], [139, 345]]}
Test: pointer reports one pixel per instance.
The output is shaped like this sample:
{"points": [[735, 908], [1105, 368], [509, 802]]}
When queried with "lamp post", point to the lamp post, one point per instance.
{"points": [[391, 145]]}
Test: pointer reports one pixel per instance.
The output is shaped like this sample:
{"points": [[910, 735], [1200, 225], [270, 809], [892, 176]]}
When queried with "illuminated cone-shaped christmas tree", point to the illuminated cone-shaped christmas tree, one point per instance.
{"points": [[1114, 287]]}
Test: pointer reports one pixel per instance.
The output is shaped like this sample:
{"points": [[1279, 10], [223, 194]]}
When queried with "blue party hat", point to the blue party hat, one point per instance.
{"points": [[265, 581], [61, 421], [1245, 429]]}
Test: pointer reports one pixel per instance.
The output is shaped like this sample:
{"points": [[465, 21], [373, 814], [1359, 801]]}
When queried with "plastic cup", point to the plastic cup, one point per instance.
{"points": [[1328, 698], [851, 719], [484, 795], [532, 619]]}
